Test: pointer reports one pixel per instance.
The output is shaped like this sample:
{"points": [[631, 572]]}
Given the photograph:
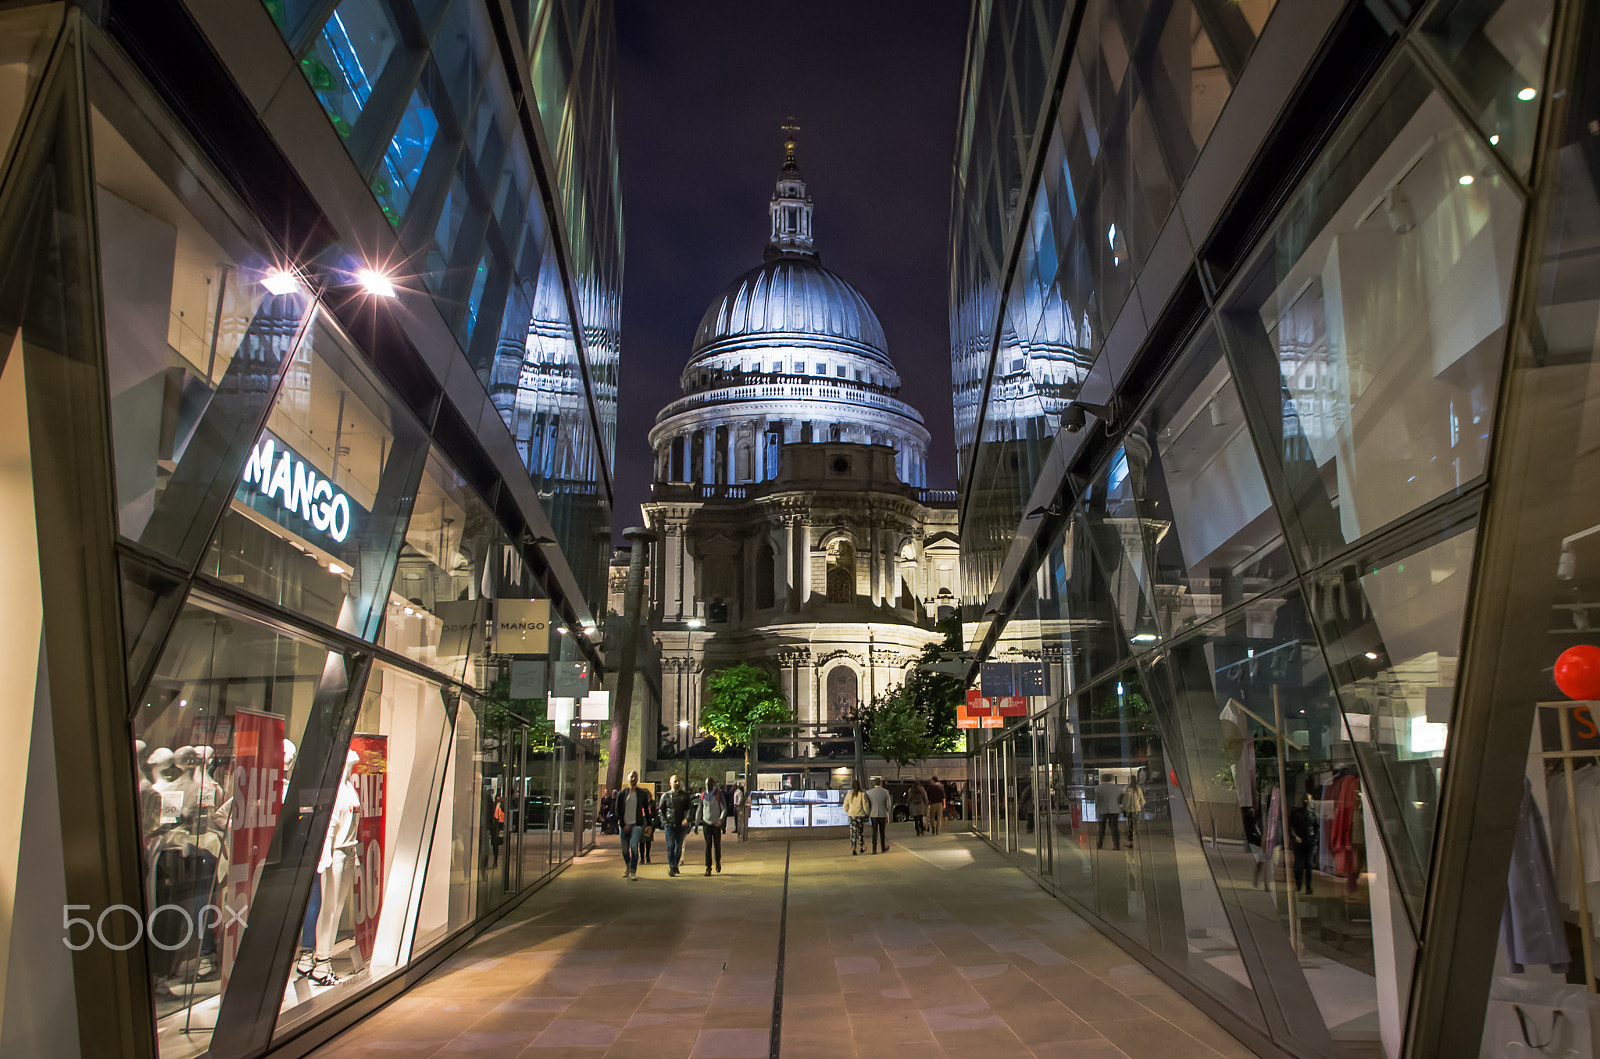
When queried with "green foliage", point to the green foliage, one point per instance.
{"points": [[736, 699], [919, 717], [896, 728], [500, 711]]}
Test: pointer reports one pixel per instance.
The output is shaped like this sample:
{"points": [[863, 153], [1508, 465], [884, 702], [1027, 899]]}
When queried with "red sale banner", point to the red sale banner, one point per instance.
{"points": [[371, 772], [256, 788]]}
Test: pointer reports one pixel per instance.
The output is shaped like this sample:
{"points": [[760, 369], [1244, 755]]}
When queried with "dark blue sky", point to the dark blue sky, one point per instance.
{"points": [[705, 86]]}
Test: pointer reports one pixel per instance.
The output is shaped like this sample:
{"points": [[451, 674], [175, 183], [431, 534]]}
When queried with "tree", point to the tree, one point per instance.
{"points": [[896, 728], [936, 695], [738, 698]]}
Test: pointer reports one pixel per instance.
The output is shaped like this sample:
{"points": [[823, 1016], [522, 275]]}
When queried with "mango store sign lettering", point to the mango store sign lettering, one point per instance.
{"points": [[276, 474]]}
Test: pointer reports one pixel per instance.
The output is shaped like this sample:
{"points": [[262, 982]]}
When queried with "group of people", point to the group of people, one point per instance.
{"points": [[676, 813], [872, 807]]}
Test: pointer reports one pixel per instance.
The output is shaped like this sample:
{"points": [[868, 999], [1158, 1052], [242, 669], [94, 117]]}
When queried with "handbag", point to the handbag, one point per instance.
{"points": [[1539, 1020], [499, 813]]}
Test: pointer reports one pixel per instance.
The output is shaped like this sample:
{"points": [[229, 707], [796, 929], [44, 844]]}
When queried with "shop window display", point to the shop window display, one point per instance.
{"points": [[361, 911], [216, 739]]}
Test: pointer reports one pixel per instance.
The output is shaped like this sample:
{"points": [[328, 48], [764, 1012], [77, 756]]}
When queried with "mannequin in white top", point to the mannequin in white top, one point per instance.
{"points": [[340, 853]]}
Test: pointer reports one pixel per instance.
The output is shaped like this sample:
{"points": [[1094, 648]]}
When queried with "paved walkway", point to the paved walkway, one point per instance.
{"points": [[937, 948]]}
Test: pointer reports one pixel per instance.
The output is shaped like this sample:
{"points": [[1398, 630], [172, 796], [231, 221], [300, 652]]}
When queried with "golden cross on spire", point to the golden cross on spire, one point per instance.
{"points": [[790, 129]]}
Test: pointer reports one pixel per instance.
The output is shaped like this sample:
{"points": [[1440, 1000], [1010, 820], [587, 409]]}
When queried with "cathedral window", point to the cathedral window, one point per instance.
{"points": [[839, 371], [841, 572], [766, 577]]}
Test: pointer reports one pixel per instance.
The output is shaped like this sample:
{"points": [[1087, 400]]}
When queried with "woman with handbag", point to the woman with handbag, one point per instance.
{"points": [[857, 809]]}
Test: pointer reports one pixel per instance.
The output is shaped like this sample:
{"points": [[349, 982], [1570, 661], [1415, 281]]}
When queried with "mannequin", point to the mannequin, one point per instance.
{"points": [[167, 785], [338, 868]]}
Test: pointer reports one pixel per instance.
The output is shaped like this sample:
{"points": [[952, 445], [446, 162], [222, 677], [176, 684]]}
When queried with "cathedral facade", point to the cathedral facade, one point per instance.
{"points": [[796, 530]]}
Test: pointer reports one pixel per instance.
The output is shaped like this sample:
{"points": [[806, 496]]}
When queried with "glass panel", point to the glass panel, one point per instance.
{"points": [[25, 39], [1393, 636], [1191, 498], [1371, 330], [315, 515], [348, 58], [1122, 759], [356, 926], [449, 889], [437, 608], [403, 158], [1498, 49], [216, 739], [195, 340], [1300, 875]]}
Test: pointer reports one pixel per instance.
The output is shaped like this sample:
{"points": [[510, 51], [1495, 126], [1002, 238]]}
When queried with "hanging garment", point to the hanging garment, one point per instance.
{"points": [[1240, 748], [1273, 837], [1531, 929], [1342, 836]]}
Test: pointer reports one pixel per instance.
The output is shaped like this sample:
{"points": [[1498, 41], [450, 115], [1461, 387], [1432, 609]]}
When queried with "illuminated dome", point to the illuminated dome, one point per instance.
{"points": [[788, 354], [791, 300]]}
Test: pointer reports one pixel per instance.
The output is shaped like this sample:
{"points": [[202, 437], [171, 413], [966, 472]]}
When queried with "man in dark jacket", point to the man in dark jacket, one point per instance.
{"points": [[674, 810], [635, 811]]}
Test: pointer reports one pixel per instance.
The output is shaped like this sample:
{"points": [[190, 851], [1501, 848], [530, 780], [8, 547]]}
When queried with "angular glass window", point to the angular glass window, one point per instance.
{"points": [[1369, 333], [437, 609], [348, 57], [357, 924], [25, 38], [1194, 485], [325, 492], [403, 158], [1498, 50], [1268, 766], [216, 736], [199, 326], [1391, 627]]}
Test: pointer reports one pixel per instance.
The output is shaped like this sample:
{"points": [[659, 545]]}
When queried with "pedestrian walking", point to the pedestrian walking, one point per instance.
{"points": [[857, 808], [711, 813], [917, 805], [673, 811], [1133, 802], [880, 803], [936, 804], [635, 810], [1108, 807], [739, 824]]}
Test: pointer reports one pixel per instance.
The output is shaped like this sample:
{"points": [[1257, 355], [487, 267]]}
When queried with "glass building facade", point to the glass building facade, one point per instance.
{"points": [[308, 353], [1273, 349]]}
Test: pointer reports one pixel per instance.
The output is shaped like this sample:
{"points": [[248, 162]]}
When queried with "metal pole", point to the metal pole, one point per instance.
{"points": [[632, 618], [1283, 807]]}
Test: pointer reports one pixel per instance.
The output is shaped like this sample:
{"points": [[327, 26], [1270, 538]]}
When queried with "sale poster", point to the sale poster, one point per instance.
{"points": [[256, 788], [371, 774]]}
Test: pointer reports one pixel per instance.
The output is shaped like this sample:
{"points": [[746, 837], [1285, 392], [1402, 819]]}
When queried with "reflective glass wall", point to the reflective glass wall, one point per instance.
{"points": [[275, 756], [1258, 575]]}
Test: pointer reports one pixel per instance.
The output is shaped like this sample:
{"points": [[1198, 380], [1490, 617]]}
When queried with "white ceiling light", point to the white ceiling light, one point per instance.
{"points": [[375, 282]]}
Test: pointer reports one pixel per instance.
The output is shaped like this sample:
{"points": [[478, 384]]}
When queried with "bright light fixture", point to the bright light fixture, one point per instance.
{"points": [[1146, 637], [683, 724], [1373, 655], [1494, 140], [375, 282], [694, 623], [1527, 94], [410, 611], [280, 281], [335, 568], [1466, 178]]}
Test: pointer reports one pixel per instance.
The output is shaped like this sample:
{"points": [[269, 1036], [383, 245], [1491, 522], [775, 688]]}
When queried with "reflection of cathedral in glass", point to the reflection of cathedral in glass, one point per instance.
{"points": [[790, 489]]}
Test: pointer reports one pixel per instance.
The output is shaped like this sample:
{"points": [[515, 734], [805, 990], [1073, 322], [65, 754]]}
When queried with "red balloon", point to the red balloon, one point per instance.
{"points": [[1578, 672]]}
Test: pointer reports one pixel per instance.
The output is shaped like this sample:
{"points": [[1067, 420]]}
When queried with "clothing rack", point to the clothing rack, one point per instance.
{"points": [[1566, 755]]}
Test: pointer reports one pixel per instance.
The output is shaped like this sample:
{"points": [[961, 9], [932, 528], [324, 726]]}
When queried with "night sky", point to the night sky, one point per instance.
{"points": [[704, 88]]}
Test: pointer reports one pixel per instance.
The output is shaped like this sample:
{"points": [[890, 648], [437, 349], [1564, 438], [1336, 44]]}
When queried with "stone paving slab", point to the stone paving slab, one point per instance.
{"points": [[936, 948]]}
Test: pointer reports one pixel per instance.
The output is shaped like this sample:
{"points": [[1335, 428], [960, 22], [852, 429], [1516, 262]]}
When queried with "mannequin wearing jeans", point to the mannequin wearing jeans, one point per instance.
{"points": [[338, 866]]}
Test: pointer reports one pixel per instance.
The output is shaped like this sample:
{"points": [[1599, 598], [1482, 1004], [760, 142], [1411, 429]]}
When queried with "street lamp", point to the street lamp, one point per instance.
{"points": [[686, 729]]}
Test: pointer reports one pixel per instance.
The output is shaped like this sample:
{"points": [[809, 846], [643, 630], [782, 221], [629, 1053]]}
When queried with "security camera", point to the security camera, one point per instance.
{"points": [[1074, 420]]}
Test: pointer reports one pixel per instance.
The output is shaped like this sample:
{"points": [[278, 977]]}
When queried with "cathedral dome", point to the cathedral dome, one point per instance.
{"points": [[791, 300]]}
